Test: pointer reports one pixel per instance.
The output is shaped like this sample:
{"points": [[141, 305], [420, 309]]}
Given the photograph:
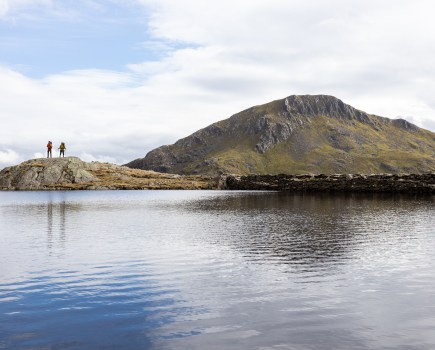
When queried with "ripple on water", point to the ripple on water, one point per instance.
{"points": [[195, 270]]}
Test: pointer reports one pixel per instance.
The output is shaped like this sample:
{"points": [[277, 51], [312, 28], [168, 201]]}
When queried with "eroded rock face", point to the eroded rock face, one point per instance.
{"points": [[330, 106], [298, 111], [38, 174]]}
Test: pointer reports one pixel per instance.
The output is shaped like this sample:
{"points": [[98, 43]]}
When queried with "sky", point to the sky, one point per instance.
{"points": [[114, 79]]}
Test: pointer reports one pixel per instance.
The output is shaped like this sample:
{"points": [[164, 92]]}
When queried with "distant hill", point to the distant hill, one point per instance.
{"points": [[296, 135]]}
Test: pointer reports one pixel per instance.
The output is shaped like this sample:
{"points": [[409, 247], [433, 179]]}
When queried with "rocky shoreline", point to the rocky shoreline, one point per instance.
{"points": [[71, 173], [393, 183]]}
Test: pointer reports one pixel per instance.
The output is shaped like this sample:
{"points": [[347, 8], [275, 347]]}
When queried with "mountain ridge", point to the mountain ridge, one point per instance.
{"points": [[298, 134]]}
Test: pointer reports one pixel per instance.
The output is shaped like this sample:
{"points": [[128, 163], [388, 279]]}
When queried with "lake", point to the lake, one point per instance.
{"points": [[216, 270]]}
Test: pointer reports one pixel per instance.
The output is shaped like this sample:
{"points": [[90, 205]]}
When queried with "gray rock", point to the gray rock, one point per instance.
{"points": [[46, 173], [403, 183]]}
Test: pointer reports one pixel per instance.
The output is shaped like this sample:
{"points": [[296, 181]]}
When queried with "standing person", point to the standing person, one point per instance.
{"points": [[62, 149], [49, 147]]}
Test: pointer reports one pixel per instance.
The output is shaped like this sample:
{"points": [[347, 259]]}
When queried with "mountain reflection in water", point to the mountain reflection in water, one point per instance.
{"points": [[307, 230], [216, 270]]}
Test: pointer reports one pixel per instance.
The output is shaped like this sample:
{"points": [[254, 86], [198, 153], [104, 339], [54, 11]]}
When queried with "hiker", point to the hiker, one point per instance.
{"points": [[62, 149], [49, 147]]}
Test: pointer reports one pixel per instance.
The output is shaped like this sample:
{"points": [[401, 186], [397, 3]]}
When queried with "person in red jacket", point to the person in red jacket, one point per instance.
{"points": [[49, 147]]}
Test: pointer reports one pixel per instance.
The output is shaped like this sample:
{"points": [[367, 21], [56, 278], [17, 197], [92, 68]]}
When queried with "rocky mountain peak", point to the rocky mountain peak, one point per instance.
{"points": [[296, 112], [330, 106], [298, 134]]}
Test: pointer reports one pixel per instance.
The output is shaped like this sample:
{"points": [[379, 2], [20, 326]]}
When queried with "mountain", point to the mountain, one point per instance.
{"points": [[296, 135], [71, 173]]}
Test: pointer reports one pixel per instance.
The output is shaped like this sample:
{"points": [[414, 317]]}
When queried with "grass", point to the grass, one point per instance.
{"points": [[316, 144], [126, 178], [329, 145]]}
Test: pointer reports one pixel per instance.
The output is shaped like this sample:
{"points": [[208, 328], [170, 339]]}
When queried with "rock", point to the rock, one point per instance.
{"points": [[71, 173], [41, 173], [402, 183]]}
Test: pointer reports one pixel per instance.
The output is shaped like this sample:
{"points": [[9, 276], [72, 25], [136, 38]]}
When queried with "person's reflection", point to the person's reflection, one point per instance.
{"points": [[56, 223], [62, 212], [50, 225]]}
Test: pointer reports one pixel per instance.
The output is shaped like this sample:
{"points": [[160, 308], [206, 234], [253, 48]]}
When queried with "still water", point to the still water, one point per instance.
{"points": [[216, 270]]}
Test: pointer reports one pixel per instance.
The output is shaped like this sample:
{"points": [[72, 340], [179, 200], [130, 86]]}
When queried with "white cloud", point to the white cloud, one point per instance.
{"points": [[90, 158], [7, 6], [4, 7], [377, 56], [9, 157]]}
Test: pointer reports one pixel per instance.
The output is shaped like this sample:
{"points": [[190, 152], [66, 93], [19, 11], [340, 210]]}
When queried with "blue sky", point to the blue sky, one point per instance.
{"points": [[117, 78], [42, 41]]}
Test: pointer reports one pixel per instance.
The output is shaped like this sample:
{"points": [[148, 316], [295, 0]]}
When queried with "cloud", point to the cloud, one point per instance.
{"points": [[9, 157], [8, 6], [314, 43], [217, 58], [90, 158], [91, 110]]}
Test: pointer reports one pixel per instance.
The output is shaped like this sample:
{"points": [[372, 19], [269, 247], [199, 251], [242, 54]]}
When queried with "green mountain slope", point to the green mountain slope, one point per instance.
{"points": [[299, 134]]}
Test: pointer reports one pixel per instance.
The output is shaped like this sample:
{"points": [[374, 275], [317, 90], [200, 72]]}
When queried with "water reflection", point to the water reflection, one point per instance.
{"points": [[309, 230], [56, 223], [216, 270], [49, 225]]}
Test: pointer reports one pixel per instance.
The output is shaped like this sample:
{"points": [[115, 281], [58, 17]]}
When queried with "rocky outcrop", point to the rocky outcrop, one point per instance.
{"points": [[71, 173], [299, 110], [330, 106], [296, 135], [42, 173], [399, 183]]}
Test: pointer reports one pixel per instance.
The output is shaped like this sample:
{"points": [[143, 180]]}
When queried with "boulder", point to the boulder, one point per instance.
{"points": [[37, 174]]}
